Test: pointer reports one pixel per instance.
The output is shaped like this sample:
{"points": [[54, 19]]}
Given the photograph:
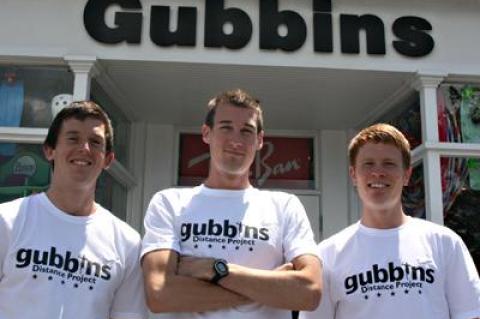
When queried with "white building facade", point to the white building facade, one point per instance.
{"points": [[322, 70]]}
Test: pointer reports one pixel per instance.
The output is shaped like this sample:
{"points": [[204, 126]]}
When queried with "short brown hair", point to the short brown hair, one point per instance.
{"points": [[238, 98], [80, 110], [380, 133]]}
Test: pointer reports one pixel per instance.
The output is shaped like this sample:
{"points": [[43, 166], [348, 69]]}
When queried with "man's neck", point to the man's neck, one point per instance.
{"points": [[72, 202], [383, 219], [234, 182]]}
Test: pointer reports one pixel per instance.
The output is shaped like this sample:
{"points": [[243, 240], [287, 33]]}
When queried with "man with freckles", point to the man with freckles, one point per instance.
{"points": [[225, 249], [390, 265]]}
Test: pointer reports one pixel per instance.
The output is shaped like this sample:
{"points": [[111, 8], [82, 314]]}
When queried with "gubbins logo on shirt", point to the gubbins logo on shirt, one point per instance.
{"points": [[390, 279], [64, 266], [223, 233]]}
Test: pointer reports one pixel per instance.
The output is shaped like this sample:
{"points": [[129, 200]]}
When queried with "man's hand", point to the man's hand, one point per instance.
{"points": [[196, 267]]}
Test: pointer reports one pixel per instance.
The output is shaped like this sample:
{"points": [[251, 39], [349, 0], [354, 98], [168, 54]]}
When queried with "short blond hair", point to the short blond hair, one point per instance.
{"points": [[380, 133]]}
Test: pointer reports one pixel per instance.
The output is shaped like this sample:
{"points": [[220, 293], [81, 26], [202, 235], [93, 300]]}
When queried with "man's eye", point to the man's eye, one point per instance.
{"points": [[247, 132]]}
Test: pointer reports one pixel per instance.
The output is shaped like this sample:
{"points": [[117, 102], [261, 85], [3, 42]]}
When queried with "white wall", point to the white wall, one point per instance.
{"points": [[334, 182], [54, 28]]}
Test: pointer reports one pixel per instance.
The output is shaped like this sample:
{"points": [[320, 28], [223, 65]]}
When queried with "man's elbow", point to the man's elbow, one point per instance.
{"points": [[158, 301], [312, 302]]}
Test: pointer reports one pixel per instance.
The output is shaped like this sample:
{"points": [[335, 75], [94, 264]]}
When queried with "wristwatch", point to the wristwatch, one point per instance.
{"points": [[220, 269]]}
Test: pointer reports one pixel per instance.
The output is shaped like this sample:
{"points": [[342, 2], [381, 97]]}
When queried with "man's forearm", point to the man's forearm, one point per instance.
{"points": [[185, 294], [297, 289], [292, 290]]}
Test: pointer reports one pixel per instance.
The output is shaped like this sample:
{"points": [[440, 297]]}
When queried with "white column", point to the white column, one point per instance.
{"points": [[334, 182], [427, 86], [83, 68]]}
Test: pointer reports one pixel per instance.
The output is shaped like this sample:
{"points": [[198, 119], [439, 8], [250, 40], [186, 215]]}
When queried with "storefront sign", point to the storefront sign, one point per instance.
{"points": [[413, 38], [283, 162]]}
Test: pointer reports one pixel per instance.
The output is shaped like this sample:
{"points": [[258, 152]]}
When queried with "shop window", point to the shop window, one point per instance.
{"points": [[31, 96], [121, 126], [461, 204], [23, 170], [408, 121], [413, 196], [459, 113], [112, 195], [283, 162]]}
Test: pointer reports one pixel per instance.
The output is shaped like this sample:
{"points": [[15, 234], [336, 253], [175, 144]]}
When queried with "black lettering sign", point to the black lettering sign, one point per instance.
{"points": [[185, 33], [415, 42], [216, 16], [413, 33], [271, 19], [350, 26], [322, 26], [129, 24]]}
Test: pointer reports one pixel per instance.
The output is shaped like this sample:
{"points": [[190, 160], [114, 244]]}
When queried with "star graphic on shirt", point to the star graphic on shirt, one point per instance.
{"points": [[406, 291], [379, 294], [366, 297]]}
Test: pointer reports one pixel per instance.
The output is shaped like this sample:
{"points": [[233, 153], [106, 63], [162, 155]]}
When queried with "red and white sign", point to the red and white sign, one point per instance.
{"points": [[283, 162]]}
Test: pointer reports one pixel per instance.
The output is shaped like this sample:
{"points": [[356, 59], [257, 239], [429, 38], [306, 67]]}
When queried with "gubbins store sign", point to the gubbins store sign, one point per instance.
{"points": [[412, 33]]}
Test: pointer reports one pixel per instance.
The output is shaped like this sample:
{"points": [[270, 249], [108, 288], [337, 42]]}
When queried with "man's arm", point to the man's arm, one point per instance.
{"points": [[299, 289], [167, 291]]}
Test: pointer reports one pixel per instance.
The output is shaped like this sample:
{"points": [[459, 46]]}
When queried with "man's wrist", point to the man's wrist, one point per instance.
{"points": [[220, 270]]}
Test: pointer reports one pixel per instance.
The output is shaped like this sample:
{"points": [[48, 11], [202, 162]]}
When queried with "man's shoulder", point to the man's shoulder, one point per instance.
{"points": [[339, 239], [11, 209], [120, 227], [432, 230]]}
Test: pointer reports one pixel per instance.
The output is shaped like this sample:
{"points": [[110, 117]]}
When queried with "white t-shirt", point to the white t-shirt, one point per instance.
{"points": [[54, 265], [419, 270], [253, 228]]}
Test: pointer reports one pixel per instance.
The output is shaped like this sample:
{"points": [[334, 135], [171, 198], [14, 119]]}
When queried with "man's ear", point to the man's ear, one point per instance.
{"points": [[407, 175], [260, 140], [109, 157], [353, 176], [206, 133], [48, 152]]}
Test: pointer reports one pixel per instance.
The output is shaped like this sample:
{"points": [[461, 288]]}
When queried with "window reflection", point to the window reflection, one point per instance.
{"points": [[29, 96]]}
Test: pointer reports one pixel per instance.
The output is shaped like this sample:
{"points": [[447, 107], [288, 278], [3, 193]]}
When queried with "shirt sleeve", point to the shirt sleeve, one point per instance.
{"points": [[159, 226], [462, 283], [129, 299], [4, 242], [298, 236]]}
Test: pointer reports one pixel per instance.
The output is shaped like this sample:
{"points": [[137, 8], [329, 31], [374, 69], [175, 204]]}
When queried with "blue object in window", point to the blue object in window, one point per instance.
{"points": [[11, 109]]}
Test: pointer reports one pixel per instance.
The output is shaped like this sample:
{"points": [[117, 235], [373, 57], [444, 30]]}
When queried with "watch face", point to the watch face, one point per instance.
{"points": [[221, 267]]}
